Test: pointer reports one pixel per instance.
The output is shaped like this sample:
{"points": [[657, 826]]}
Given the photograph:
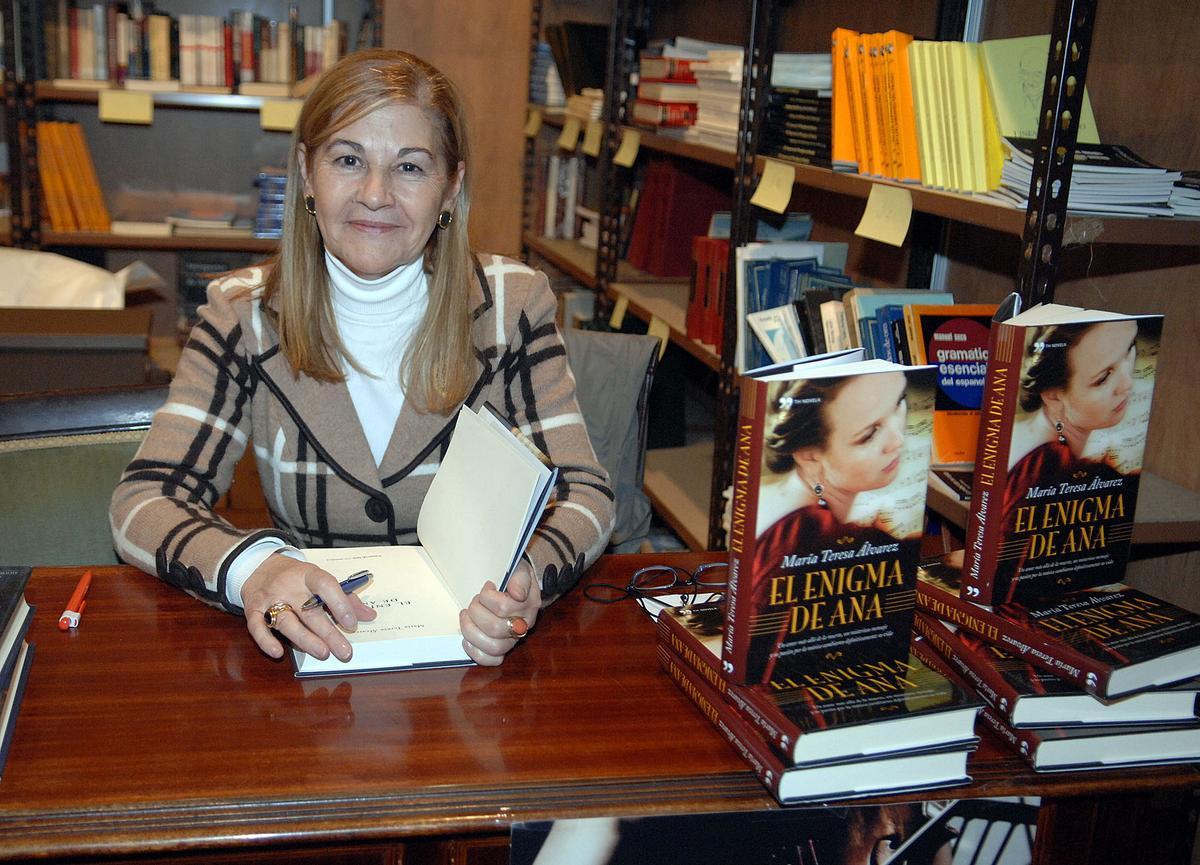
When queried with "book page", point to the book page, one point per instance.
{"points": [[472, 519]]}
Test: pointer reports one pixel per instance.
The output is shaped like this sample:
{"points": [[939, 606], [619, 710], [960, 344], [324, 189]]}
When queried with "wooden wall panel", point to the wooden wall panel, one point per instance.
{"points": [[484, 47]]}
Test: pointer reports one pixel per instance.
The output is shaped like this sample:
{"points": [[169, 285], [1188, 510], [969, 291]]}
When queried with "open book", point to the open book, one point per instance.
{"points": [[474, 524]]}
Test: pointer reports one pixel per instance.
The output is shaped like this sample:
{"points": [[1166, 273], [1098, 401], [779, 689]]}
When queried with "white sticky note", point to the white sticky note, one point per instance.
{"points": [[887, 215]]}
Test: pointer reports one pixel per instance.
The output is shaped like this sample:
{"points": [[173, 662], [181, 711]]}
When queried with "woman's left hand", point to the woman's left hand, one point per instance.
{"points": [[487, 637]]}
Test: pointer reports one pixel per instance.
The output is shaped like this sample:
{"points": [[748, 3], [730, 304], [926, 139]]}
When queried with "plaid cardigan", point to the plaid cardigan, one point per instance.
{"points": [[319, 478]]}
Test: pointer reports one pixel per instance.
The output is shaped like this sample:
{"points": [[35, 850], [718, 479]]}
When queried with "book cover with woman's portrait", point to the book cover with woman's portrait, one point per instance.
{"points": [[1059, 459], [830, 478]]}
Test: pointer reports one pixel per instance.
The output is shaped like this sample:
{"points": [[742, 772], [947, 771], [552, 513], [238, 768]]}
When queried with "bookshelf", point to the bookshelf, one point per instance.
{"points": [[1124, 263]]}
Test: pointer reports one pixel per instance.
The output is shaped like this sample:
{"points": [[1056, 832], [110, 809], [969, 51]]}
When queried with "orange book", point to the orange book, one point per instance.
{"points": [[73, 178], [93, 197], [51, 173], [899, 76], [844, 149], [870, 109], [858, 117]]}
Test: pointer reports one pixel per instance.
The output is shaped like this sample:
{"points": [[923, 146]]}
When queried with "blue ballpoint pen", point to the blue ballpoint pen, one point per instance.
{"points": [[348, 585]]}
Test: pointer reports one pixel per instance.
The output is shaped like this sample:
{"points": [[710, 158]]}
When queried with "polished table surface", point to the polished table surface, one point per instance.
{"points": [[158, 726]]}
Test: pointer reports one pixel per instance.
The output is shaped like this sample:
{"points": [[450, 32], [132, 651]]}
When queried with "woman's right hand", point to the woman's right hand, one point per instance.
{"points": [[282, 579]]}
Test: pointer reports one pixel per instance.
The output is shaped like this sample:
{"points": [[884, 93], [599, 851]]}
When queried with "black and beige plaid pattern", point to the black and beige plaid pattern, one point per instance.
{"points": [[320, 481]]}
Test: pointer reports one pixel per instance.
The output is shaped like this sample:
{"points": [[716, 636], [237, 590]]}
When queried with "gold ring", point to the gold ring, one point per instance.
{"points": [[517, 627], [274, 612]]}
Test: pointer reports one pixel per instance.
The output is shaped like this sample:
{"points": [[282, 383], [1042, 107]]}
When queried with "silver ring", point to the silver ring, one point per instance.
{"points": [[274, 612]]}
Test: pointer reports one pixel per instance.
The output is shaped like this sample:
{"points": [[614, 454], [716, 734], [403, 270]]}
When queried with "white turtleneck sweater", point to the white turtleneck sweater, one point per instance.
{"points": [[376, 319]]}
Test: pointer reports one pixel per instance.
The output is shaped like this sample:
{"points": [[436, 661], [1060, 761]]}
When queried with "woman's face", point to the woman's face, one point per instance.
{"points": [[1100, 377], [866, 430], [379, 185]]}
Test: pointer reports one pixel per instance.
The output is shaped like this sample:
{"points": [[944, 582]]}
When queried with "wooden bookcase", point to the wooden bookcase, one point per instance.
{"points": [[1127, 264]]}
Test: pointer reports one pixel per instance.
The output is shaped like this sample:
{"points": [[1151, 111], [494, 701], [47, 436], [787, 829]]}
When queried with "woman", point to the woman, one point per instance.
{"points": [[1076, 380], [829, 441], [345, 359]]}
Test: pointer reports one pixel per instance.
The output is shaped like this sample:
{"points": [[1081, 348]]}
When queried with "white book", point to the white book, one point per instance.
{"points": [[485, 500]]}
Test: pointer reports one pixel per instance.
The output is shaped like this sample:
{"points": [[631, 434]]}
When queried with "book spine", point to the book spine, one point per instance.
{"points": [[747, 471], [1026, 643], [981, 676], [686, 648], [985, 519], [753, 750]]}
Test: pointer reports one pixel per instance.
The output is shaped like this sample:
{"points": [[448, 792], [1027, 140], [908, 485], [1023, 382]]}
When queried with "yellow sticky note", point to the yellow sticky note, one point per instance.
{"points": [[887, 215], [775, 186], [126, 106], [662, 330], [593, 136], [570, 134], [617, 317], [533, 122], [628, 151], [280, 115]]}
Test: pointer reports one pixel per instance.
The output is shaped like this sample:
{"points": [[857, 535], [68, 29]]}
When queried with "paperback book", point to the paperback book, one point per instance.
{"points": [[830, 477], [840, 710], [1059, 457], [491, 480], [1109, 640], [843, 779], [1027, 696]]}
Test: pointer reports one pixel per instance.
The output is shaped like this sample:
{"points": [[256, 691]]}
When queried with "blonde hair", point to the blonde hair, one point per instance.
{"points": [[435, 371]]}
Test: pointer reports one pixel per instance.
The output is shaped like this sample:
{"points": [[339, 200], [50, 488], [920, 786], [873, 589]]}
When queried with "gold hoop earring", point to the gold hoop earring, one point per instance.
{"points": [[310, 205], [445, 219]]}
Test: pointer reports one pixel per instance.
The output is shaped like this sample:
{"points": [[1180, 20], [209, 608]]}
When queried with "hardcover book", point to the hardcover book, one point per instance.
{"points": [[834, 712], [1030, 697], [1059, 456], [828, 511], [820, 781], [489, 480], [11, 693], [1108, 640], [1094, 746], [955, 339], [15, 616]]}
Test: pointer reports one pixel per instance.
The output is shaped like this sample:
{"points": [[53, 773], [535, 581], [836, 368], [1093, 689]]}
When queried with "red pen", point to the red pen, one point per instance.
{"points": [[77, 604]]}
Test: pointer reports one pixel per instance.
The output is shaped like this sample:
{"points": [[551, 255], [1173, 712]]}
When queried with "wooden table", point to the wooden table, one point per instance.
{"points": [[158, 727]]}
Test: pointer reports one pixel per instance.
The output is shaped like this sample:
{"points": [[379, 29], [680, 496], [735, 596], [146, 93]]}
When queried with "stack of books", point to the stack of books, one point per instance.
{"points": [[813, 674], [545, 85], [1185, 197], [1091, 679], [16, 654], [666, 92], [1032, 612], [718, 99], [1107, 179], [272, 185]]}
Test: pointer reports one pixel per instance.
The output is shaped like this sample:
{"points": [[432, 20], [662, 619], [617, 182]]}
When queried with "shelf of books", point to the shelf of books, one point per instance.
{"points": [[666, 301], [960, 207], [678, 482], [47, 91], [110, 240]]}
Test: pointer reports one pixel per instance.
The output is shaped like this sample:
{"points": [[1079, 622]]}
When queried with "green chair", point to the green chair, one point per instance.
{"points": [[61, 455]]}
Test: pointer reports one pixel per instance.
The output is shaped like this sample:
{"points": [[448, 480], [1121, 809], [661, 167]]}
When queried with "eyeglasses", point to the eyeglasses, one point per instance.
{"points": [[652, 585]]}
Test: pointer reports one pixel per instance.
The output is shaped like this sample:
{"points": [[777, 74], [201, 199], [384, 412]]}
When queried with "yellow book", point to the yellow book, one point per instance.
{"points": [[1016, 76], [923, 107], [993, 143], [954, 159], [969, 57]]}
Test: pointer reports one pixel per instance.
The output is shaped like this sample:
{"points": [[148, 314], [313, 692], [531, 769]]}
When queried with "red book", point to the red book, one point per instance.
{"points": [[718, 268], [905, 770], [664, 113], [823, 550], [1108, 640], [227, 43], [839, 710], [1058, 460]]}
